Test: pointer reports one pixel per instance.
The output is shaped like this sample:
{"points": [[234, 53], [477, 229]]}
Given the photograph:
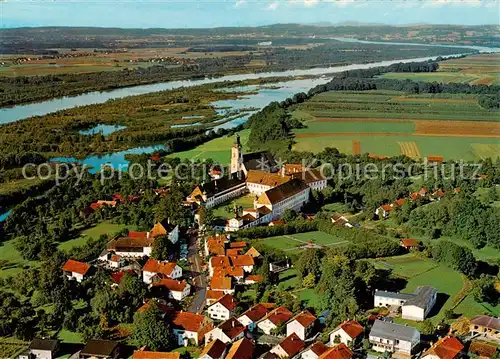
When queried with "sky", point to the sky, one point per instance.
{"points": [[216, 13]]}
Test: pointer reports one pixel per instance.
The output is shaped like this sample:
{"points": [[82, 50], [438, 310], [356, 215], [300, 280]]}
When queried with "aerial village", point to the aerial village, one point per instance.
{"points": [[200, 291]]}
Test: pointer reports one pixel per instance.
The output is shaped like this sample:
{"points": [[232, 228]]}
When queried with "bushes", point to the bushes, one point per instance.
{"points": [[455, 256], [298, 226]]}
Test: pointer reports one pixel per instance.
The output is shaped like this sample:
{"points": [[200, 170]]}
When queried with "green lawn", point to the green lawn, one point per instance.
{"points": [[244, 201], [69, 337], [290, 242], [103, 228], [11, 260], [218, 149], [406, 266], [289, 279], [449, 283]]}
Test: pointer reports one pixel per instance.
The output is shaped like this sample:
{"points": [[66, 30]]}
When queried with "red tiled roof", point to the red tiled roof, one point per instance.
{"points": [[154, 266], [188, 321], [399, 202], [482, 349], [115, 258], [279, 315], [352, 328], [242, 349], [220, 283], [76, 267], [234, 251], [305, 319], [142, 354], [435, 158], [219, 261], [242, 261], [254, 278], [228, 302], [215, 349], [171, 284], [386, 207], [318, 348], [214, 294], [292, 344], [445, 348], [118, 276], [256, 313], [409, 242], [241, 244], [341, 351], [133, 234], [95, 205], [253, 253], [414, 196], [232, 328]]}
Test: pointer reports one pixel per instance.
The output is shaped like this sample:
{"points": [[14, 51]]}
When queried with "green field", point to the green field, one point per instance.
{"points": [[103, 228], [474, 70], [291, 242], [383, 120], [11, 261], [218, 149], [449, 283]]}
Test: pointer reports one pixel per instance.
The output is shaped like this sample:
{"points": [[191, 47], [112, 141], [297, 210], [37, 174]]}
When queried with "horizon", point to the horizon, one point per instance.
{"points": [[174, 14]]}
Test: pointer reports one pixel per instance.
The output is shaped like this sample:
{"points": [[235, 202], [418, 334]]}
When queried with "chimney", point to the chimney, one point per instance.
{"points": [[283, 171], [147, 234], [232, 324]]}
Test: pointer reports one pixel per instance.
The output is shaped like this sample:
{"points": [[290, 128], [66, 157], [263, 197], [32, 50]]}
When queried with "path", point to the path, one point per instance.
{"points": [[309, 245], [199, 279]]}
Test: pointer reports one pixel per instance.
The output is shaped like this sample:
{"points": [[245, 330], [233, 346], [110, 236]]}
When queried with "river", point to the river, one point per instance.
{"points": [[264, 95]]}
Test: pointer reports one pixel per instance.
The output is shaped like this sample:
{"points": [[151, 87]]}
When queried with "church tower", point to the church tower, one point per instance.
{"points": [[236, 156]]}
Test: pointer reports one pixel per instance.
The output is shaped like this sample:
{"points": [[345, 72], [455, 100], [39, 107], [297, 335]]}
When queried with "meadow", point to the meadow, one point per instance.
{"points": [[390, 123], [103, 228], [218, 149], [292, 242], [483, 69], [453, 288]]}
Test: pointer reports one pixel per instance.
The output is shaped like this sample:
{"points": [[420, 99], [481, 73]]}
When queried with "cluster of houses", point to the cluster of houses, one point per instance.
{"points": [[384, 210], [229, 264], [234, 338], [276, 189]]}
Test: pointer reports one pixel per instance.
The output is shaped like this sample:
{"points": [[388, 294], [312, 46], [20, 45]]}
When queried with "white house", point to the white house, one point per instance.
{"points": [[289, 195], [259, 182], [189, 328], [218, 191], [176, 289], [385, 336], [289, 347], [302, 325], [165, 228], [115, 261], [133, 246], [214, 350], [418, 307], [250, 318], [224, 308], [41, 349], [415, 306], [75, 270], [273, 319], [160, 269], [228, 332], [346, 333], [314, 351], [311, 176]]}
